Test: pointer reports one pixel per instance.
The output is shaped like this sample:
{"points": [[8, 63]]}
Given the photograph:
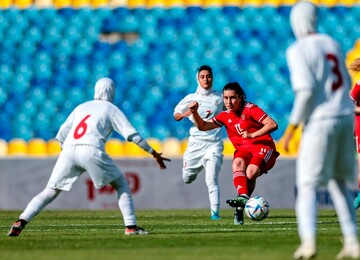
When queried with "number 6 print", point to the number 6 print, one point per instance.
{"points": [[80, 130]]}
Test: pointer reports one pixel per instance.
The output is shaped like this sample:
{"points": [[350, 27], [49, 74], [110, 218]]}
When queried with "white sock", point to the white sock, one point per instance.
{"points": [[306, 213], [125, 201], [38, 203], [211, 179]]}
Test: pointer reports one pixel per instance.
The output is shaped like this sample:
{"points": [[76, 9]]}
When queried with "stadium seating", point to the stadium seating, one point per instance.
{"points": [[17, 147], [53, 147], [115, 147], [3, 148], [56, 52], [37, 147]]}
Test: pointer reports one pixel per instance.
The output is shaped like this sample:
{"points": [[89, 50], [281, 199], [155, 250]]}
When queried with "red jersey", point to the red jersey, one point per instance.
{"points": [[250, 120], [355, 94]]}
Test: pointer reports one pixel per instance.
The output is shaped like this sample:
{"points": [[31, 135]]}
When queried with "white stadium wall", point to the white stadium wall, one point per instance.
{"points": [[22, 178]]}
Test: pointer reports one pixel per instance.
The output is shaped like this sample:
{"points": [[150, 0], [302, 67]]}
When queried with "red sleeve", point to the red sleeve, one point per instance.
{"points": [[355, 92], [219, 119], [258, 114]]}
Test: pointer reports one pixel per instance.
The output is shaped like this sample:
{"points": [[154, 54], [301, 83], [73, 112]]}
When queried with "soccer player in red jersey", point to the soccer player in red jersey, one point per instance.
{"points": [[248, 128], [355, 96]]}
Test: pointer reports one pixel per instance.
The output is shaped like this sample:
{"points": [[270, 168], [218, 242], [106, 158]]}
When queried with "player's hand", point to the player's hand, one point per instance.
{"points": [[160, 160], [187, 113], [287, 139], [246, 135], [193, 106]]}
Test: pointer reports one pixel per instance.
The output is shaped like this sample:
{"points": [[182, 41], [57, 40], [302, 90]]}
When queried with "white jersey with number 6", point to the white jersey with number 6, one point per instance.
{"points": [[91, 123]]}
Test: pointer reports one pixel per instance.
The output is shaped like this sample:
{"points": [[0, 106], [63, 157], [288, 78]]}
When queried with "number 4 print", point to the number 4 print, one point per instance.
{"points": [[80, 130]]}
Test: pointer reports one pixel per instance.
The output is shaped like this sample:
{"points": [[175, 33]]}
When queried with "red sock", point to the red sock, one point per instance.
{"points": [[240, 182]]}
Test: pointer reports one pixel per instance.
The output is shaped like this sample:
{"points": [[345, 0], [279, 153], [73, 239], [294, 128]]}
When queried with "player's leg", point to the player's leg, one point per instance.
{"points": [[62, 178], [357, 143], [357, 199], [343, 201], [212, 170], [347, 218], [239, 164], [193, 161], [310, 165], [34, 207], [126, 206]]}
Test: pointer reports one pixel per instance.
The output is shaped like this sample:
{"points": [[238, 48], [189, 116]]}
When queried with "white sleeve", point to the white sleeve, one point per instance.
{"points": [[300, 108], [182, 106], [65, 128], [301, 73], [122, 125], [141, 142]]}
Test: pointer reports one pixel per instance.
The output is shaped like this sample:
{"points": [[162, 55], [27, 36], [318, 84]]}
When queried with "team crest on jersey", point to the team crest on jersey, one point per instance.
{"points": [[242, 116]]}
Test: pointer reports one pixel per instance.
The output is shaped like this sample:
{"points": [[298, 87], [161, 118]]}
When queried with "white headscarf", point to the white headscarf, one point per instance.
{"points": [[200, 90], [105, 90], [303, 18]]}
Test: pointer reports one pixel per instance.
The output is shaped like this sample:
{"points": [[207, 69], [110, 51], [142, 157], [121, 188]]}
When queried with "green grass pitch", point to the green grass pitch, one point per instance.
{"points": [[174, 234]]}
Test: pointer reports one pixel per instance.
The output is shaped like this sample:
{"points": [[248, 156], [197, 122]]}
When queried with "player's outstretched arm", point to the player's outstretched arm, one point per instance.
{"points": [[199, 122], [160, 160]]}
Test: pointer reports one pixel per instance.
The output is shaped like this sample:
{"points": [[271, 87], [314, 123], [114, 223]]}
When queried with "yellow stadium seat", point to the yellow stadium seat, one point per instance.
{"points": [[114, 147], [172, 147], [347, 2], [194, 2], [232, 2], [132, 150], [329, 3], [21, 4], [100, 3], [118, 3], [5, 4], [228, 148], [62, 3], [155, 3], [213, 3], [37, 147], [184, 144], [81, 3], [53, 147], [291, 2], [137, 3], [256, 3], [3, 148], [43, 3], [174, 3], [293, 146], [275, 3], [17, 147]]}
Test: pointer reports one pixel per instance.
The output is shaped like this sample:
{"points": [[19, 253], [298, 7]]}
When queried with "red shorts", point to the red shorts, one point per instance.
{"points": [[262, 156], [357, 133]]}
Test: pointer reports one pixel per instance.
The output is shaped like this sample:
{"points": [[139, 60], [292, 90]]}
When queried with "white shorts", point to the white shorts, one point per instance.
{"points": [[74, 160], [197, 153], [327, 152]]}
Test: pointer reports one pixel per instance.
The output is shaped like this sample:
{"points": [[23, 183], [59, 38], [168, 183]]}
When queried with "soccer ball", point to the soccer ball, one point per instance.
{"points": [[257, 208]]}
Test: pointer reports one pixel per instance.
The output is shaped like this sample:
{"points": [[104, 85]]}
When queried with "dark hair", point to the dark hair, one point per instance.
{"points": [[237, 88], [205, 67]]}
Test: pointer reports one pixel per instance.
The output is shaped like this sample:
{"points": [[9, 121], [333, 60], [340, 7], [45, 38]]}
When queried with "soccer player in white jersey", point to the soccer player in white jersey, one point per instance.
{"points": [[82, 137], [204, 149], [321, 85]]}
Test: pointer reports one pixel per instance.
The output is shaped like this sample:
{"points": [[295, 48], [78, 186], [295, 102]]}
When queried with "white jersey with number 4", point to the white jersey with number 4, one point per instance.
{"points": [[317, 66], [91, 123]]}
